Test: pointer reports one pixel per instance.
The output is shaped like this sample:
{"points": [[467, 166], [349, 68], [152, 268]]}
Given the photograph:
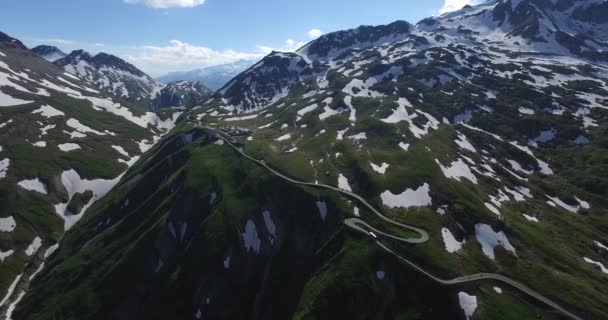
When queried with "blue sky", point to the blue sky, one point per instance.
{"points": [[169, 35]]}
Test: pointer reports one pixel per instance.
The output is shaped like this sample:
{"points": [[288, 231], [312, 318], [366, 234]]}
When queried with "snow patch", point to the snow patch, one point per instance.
{"points": [[408, 198], [322, 206], [381, 169], [48, 112], [597, 264], [451, 244], [489, 239], [67, 147], [458, 169], [250, 237], [34, 185], [343, 183], [34, 246], [74, 184], [7, 224], [468, 304]]}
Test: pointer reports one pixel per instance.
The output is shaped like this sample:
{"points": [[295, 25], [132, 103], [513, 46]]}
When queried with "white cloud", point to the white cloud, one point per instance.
{"points": [[181, 56], [314, 33], [453, 5], [165, 4], [54, 40]]}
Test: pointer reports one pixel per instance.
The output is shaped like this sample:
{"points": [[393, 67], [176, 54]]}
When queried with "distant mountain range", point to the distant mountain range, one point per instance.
{"points": [[213, 77], [124, 81]]}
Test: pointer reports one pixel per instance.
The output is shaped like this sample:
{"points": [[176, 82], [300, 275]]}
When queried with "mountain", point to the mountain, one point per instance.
{"points": [[213, 77], [49, 53], [181, 93], [452, 169], [126, 82], [63, 146]]}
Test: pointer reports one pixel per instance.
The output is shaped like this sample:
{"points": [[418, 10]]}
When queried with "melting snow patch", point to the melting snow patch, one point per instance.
{"points": [[10, 290], [458, 169], [74, 184], [11, 308], [571, 208], [464, 143], [498, 290], [531, 218], [322, 205], [4, 167], [404, 146], [75, 124], [34, 185], [122, 151], [490, 239], [8, 101], [358, 137], [48, 112], [7, 224], [34, 246], [468, 303], [526, 111], [599, 244], [283, 137], [492, 208], [51, 250], [409, 198], [250, 237], [343, 183], [40, 144], [597, 264], [451, 244], [67, 147], [381, 169], [270, 226], [227, 262], [5, 254]]}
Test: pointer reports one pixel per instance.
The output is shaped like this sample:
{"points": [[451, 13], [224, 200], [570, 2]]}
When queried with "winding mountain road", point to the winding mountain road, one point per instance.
{"points": [[356, 224]]}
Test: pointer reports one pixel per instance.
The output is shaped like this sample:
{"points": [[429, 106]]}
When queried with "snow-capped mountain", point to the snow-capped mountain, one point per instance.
{"points": [[213, 77], [505, 28], [126, 82], [49, 53], [113, 75]]}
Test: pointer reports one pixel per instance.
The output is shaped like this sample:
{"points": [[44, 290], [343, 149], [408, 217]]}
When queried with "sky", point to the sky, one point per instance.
{"points": [[161, 36]]}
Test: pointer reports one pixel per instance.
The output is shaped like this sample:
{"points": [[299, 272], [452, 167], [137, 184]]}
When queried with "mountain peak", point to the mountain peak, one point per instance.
{"points": [[333, 44], [49, 53]]}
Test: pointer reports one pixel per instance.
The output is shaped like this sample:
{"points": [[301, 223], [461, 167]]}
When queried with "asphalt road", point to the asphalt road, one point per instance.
{"points": [[374, 233]]}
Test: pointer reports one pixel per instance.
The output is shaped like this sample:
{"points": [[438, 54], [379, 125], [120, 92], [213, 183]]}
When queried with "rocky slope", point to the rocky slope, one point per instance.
{"points": [[483, 127], [181, 94], [63, 146], [124, 81]]}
